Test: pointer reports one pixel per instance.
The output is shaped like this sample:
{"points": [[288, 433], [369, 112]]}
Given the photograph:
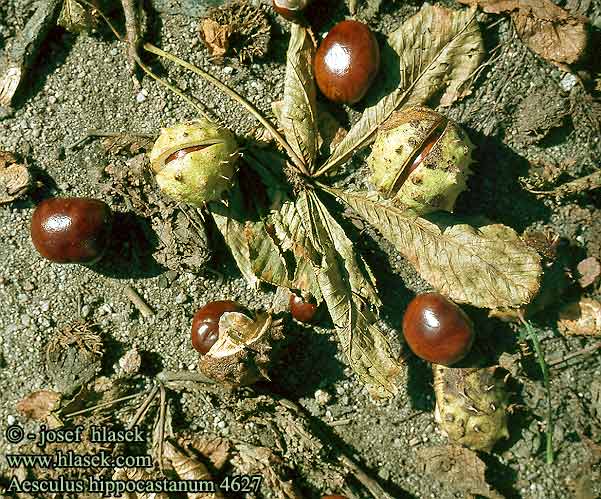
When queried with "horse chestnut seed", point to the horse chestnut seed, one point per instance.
{"points": [[291, 9], [205, 324], [437, 330], [302, 310], [71, 230], [347, 62]]}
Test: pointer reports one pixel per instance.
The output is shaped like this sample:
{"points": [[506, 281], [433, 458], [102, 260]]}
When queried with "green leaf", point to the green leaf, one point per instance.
{"points": [[438, 49], [349, 292], [298, 110], [488, 266]]}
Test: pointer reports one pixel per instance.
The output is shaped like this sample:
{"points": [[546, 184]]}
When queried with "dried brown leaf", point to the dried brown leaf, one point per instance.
{"points": [[15, 178], [547, 29], [39, 404], [127, 143], [215, 36], [581, 318], [189, 468], [237, 26], [589, 271], [215, 449], [458, 468], [253, 460], [298, 116], [184, 242], [73, 357], [559, 42], [488, 266]]}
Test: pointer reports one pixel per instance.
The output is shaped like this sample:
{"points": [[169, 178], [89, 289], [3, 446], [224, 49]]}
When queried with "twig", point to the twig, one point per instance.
{"points": [[172, 377], [100, 406], [340, 422], [138, 301], [584, 351], [298, 162], [132, 30], [545, 370], [143, 409], [162, 405], [93, 133], [586, 183], [369, 483]]}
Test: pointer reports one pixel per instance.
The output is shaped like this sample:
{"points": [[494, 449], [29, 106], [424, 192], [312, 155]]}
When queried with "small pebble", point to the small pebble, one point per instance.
{"points": [[130, 363], [141, 96], [322, 397], [568, 82], [11, 420], [85, 311], [181, 298]]}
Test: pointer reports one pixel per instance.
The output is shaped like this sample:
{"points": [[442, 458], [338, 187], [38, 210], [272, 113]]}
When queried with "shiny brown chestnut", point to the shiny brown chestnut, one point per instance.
{"points": [[302, 310], [205, 324], [347, 62], [437, 330], [293, 10], [71, 230]]}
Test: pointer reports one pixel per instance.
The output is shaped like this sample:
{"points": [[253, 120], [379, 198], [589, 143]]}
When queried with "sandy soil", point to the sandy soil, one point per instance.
{"points": [[82, 81]]}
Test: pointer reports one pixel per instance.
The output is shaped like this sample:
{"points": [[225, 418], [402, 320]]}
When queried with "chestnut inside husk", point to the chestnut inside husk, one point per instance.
{"points": [[421, 159], [242, 353]]}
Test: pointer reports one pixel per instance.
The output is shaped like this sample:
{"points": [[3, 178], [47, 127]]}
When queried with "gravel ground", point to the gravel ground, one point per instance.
{"points": [[82, 81]]}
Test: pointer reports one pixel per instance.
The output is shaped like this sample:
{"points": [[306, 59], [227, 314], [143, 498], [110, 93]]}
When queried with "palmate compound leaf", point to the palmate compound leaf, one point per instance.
{"points": [[324, 264], [298, 116], [488, 267], [349, 292], [274, 249], [439, 49]]}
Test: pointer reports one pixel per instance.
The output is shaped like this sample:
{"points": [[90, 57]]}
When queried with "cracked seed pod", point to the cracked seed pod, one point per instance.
{"points": [[471, 406], [421, 159], [242, 353], [194, 162]]}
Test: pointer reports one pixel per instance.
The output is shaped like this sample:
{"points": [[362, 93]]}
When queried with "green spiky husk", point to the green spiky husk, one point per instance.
{"points": [[471, 406], [440, 177], [199, 176]]}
